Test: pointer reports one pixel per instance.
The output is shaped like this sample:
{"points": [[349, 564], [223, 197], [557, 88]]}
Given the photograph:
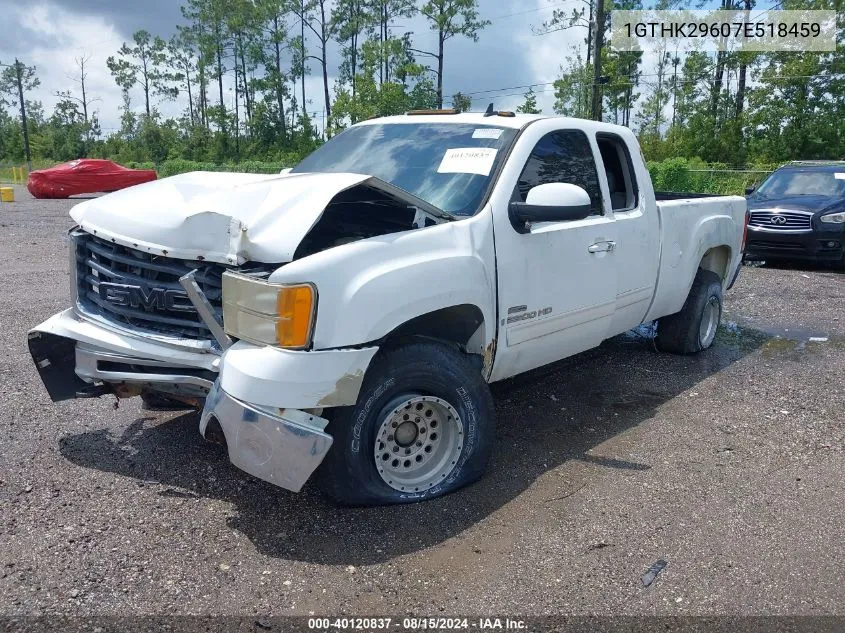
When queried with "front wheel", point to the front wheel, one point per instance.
{"points": [[693, 329], [423, 427]]}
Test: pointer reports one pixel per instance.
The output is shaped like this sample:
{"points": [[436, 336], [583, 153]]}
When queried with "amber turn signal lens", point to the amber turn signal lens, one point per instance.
{"points": [[295, 307]]}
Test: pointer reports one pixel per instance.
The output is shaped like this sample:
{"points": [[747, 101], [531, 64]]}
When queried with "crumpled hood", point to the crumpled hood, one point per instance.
{"points": [[220, 217]]}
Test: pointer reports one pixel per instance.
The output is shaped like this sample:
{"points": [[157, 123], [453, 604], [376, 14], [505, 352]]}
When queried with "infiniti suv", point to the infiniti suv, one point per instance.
{"points": [[798, 213]]}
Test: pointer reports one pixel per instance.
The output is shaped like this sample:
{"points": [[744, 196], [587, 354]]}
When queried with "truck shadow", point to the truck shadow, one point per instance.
{"points": [[545, 418]]}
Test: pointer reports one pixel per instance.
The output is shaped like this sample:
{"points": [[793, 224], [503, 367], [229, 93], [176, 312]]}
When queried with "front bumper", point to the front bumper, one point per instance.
{"points": [[72, 353], [256, 394], [283, 447], [818, 246]]}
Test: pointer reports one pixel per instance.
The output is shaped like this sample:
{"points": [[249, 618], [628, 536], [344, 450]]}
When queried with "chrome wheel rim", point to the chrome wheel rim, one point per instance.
{"points": [[418, 443], [709, 322]]}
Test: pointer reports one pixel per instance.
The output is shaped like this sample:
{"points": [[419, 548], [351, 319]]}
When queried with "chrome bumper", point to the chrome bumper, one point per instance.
{"points": [[78, 358], [96, 365], [281, 446]]}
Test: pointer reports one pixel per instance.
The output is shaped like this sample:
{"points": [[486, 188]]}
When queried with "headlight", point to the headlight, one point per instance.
{"points": [[833, 218], [269, 314]]}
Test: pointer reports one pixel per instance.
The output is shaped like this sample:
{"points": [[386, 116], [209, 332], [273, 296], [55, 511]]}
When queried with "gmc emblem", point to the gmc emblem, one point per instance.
{"points": [[129, 296]]}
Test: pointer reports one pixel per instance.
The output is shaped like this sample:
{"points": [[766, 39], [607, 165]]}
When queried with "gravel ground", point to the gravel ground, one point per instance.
{"points": [[728, 465]]}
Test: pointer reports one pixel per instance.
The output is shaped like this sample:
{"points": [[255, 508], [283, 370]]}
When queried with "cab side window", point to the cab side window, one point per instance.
{"points": [[562, 156], [617, 167]]}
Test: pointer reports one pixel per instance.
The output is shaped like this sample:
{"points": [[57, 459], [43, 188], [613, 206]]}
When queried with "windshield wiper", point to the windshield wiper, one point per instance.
{"points": [[413, 200]]}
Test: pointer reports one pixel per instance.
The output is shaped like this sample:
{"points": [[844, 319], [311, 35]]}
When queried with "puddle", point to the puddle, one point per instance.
{"points": [[743, 334], [775, 340], [745, 339], [795, 333]]}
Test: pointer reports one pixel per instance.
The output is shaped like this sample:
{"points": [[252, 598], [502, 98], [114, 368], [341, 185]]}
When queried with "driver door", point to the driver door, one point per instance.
{"points": [[557, 282]]}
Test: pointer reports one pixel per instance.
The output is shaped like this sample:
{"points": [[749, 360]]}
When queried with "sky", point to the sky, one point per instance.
{"points": [[51, 34]]}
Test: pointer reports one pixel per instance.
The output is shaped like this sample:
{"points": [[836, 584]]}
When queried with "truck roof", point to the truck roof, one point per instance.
{"points": [[517, 121]]}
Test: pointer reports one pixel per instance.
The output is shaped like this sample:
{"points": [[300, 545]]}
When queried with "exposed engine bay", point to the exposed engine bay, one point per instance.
{"points": [[360, 213]]}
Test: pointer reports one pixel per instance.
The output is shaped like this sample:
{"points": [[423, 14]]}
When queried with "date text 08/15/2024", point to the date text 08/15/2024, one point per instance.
{"points": [[415, 624]]}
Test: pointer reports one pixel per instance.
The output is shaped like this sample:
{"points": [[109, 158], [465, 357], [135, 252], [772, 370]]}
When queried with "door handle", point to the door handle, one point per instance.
{"points": [[602, 247]]}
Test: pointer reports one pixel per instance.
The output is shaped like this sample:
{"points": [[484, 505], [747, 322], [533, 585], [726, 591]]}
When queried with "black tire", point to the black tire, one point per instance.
{"points": [[681, 333], [349, 474]]}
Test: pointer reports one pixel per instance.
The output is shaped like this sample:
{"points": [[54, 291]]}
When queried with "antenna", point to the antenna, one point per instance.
{"points": [[490, 111]]}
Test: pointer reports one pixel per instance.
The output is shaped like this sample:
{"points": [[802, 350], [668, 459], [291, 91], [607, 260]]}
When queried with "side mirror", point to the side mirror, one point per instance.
{"points": [[749, 190], [552, 202], [285, 171]]}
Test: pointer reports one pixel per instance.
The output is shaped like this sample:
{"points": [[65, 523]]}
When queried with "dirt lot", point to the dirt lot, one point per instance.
{"points": [[728, 465]]}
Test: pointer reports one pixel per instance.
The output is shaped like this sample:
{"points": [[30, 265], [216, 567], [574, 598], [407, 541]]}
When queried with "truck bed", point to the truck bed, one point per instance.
{"points": [[690, 223], [682, 195]]}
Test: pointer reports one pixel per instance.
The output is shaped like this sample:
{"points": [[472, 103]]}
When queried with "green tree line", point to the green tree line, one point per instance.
{"points": [[239, 67], [735, 108]]}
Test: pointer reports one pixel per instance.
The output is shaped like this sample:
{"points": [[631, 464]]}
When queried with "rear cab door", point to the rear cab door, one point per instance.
{"points": [[631, 201], [557, 282]]}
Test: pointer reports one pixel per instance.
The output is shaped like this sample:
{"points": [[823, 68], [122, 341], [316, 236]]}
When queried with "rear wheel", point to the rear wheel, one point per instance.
{"points": [[693, 329], [423, 427]]}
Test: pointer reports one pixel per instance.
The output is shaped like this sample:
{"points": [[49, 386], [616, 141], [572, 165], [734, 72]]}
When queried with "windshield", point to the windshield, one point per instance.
{"points": [[449, 165], [789, 182]]}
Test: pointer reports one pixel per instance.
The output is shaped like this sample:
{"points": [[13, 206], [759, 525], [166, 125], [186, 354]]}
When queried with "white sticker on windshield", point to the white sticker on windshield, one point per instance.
{"points": [[839, 175], [468, 160], [488, 132]]}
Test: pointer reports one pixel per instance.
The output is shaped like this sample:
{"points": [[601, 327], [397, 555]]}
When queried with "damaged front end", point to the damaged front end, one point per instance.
{"points": [[281, 446], [148, 281], [232, 219]]}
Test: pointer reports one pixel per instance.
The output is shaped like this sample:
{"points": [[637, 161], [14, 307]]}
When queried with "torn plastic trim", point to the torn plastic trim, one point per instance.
{"points": [[55, 360], [271, 377], [283, 447]]}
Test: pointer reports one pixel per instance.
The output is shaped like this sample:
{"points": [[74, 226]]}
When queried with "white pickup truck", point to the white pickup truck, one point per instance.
{"points": [[346, 317]]}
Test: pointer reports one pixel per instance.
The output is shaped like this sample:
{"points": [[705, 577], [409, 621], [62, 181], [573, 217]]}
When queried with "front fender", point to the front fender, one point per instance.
{"points": [[369, 288]]}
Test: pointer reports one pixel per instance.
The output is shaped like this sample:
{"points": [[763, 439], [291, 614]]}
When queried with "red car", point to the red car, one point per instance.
{"points": [[86, 175]]}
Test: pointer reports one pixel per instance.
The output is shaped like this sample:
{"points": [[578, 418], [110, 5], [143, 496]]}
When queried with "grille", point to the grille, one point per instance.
{"points": [[781, 220], [101, 262], [778, 246]]}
